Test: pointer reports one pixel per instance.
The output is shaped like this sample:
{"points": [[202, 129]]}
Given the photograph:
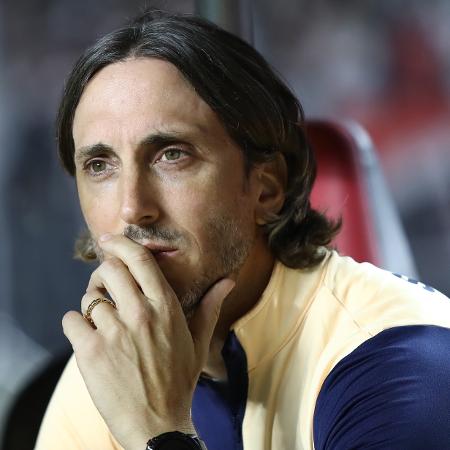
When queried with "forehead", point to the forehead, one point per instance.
{"points": [[135, 97]]}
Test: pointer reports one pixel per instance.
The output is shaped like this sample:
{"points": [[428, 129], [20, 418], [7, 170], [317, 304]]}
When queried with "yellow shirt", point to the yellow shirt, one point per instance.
{"points": [[305, 323]]}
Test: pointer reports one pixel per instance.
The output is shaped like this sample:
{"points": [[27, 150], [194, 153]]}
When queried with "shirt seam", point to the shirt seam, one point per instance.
{"points": [[348, 312], [290, 335]]}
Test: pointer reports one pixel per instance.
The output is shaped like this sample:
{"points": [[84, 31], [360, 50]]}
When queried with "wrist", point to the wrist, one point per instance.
{"points": [[183, 426]]}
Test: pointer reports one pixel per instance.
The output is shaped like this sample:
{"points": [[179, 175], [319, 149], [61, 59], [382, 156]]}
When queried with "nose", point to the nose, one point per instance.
{"points": [[138, 199]]}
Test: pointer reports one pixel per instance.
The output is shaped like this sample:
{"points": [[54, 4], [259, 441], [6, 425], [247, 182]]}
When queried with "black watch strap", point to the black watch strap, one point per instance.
{"points": [[175, 440]]}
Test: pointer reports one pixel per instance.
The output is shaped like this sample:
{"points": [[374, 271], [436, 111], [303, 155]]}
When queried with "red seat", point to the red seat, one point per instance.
{"points": [[350, 184]]}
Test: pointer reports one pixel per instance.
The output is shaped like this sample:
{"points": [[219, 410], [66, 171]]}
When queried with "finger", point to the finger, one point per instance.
{"points": [[104, 315], [205, 318], [142, 265], [115, 277], [90, 296], [77, 329]]}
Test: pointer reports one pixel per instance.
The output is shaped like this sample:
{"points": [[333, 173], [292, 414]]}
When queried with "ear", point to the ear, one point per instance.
{"points": [[272, 182]]}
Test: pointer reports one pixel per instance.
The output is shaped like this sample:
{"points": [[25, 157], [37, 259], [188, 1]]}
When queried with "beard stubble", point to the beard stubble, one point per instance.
{"points": [[228, 246]]}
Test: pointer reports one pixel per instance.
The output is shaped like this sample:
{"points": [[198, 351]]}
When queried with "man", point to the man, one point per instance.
{"points": [[217, 313]]}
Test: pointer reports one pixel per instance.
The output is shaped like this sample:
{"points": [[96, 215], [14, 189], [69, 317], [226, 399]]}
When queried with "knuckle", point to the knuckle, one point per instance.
{"points": [[163, 308], [111, 265], [114, 332], [139, 315], [67, 318], [141, 255]]}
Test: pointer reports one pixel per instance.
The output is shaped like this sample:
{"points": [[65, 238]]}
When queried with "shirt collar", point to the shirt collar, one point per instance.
{"points": [[280, 311]]}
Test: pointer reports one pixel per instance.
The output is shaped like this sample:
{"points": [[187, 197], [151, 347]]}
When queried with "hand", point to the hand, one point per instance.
{"points": [[142, 363]]}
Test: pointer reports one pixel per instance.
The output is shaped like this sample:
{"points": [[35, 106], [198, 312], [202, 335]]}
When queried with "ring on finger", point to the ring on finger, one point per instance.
{"points": [[93, 304]]}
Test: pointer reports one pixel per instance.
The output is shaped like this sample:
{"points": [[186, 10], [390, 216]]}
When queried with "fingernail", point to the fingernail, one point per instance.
{"points": [[105, 237]]}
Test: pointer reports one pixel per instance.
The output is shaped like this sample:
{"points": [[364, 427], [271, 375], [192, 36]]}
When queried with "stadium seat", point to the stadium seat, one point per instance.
{"points": [[350, 184]]}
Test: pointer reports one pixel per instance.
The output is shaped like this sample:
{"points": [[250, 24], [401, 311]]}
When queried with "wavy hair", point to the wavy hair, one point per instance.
{"points": [[257, 109]]}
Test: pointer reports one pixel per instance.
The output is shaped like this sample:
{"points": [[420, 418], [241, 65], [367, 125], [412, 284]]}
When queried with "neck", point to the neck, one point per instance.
{"points": [[250, 284]]}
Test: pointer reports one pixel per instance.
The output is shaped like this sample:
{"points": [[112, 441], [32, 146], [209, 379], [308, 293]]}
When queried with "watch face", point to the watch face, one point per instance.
{"points": [[175, 440]]}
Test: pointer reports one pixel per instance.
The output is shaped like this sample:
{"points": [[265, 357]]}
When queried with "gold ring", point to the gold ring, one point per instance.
{"points": [[93, 304]]}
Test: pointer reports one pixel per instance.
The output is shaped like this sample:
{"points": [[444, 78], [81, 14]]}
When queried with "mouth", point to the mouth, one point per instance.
{"points": [[160, 251]]}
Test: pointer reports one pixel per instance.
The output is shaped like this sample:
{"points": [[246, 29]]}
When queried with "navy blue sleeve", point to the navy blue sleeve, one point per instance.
{"points": [[392, 392]]}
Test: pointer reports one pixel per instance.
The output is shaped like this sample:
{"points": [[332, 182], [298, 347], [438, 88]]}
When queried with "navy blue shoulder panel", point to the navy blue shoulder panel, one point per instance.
{"points": [[218, 408], [392, 392]]}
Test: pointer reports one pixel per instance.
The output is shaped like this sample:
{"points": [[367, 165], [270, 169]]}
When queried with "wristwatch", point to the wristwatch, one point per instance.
{"points": [[175, 440]]}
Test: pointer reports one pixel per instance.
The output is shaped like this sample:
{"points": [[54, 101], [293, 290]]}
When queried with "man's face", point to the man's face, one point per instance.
{"points": [[154, 162]]}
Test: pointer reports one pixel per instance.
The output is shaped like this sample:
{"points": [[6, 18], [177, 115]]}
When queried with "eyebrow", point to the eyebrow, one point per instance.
{"points": [[160, 139], [90, 151], [156, 140]]}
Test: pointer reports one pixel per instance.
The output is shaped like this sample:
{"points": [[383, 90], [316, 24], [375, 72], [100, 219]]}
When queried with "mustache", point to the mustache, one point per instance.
{"points": [[87, 249], [151, 232]]}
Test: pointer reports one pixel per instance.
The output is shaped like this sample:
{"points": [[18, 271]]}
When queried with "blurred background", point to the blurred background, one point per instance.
{"points": [[384, 63]]}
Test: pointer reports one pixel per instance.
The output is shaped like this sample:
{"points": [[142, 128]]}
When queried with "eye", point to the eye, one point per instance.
{"points": [[96, 167], [172, 154]]}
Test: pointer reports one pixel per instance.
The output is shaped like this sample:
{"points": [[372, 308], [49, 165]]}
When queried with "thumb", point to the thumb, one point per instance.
{"points": [[204, 320]]}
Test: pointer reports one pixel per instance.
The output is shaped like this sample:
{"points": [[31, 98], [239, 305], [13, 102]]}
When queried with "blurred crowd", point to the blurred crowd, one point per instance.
{"points": [[385, 63]]}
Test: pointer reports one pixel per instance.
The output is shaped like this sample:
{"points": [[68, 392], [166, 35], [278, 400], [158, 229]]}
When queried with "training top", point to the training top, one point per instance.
{"points": [[342, 356]]}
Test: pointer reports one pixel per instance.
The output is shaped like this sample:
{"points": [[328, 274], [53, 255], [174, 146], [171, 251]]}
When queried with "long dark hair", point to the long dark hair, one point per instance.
{"points": [[257, 109]]}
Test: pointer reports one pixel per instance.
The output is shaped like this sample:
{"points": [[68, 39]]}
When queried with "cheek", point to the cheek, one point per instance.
{"points": [[195, 209], [98, 211], [190, 207], [185, 207]]}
